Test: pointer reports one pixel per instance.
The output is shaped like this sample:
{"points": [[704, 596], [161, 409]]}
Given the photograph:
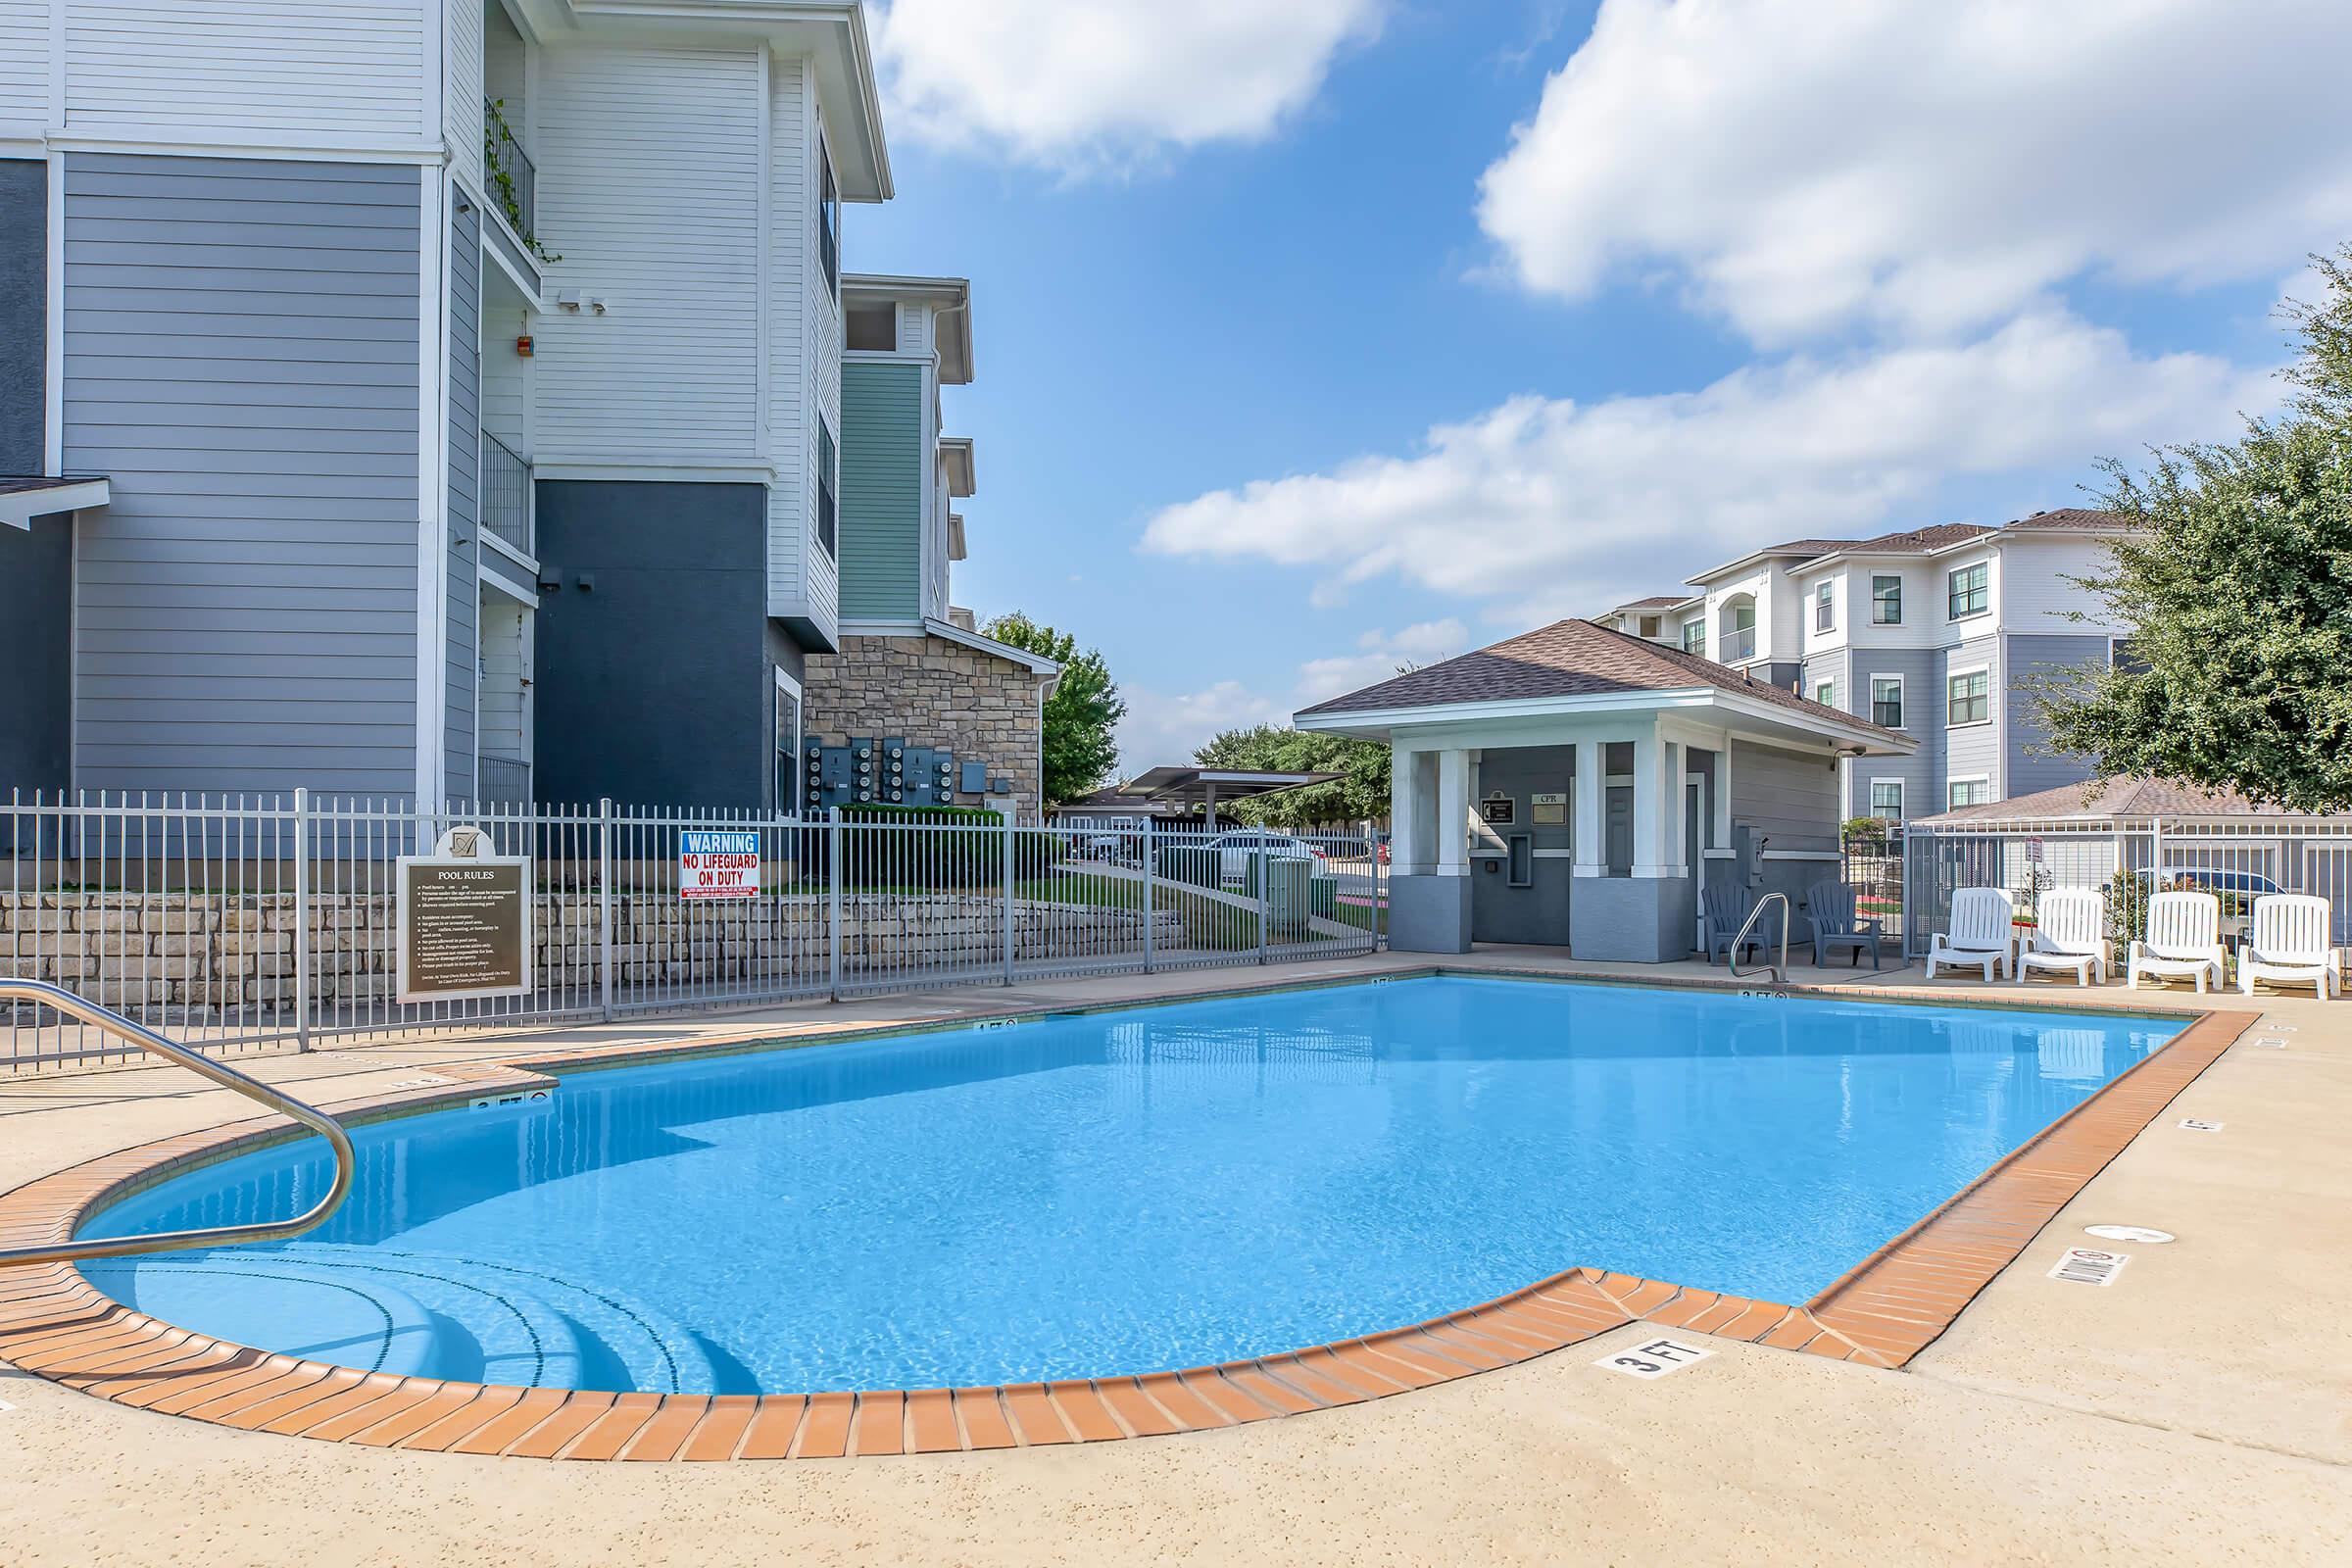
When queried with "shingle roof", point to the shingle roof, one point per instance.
{"points": [[2076, 518], [1572, 658], [1916, 541], [2104, 798], [1655, 602]]}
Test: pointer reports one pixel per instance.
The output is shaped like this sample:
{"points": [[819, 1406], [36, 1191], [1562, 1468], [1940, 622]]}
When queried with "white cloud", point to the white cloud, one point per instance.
{"points": [[1160, 728], [1084, 85], [1801, 165], [1559, 508]]}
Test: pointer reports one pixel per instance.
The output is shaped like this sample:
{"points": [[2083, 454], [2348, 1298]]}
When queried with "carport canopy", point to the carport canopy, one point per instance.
{"points": [[1184, 788]]}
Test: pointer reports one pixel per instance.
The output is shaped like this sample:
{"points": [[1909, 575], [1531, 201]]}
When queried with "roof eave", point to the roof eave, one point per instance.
{"points": [[1828, 725]]}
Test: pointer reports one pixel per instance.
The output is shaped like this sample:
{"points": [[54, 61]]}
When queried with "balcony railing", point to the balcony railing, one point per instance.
{"points": [[506, 495], [504, 780], [1739, 645], [513, 179]]}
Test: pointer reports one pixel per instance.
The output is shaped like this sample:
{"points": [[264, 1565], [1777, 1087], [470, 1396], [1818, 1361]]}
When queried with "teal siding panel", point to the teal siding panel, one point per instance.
{"points": [[882, 462]]}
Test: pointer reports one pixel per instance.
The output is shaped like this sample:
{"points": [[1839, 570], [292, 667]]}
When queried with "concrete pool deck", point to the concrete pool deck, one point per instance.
{"points": [[2195, 1411]]}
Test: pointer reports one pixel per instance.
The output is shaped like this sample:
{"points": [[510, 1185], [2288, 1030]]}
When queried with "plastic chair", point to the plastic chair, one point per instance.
{"points": [[2290, 945], [2070, 933], [1982, 934], [2183, 940]]}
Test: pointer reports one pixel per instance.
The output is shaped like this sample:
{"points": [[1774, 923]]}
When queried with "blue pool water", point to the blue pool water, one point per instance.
{"points": [[1122, 1192]]}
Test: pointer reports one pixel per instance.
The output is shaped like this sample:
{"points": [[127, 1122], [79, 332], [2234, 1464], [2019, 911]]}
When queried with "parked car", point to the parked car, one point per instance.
{"points": [[1119, 839], [1236, 849]]}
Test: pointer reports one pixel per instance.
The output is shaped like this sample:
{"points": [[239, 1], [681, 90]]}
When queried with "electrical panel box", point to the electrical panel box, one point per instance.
{"points": [[885, 771], [975, 778]]}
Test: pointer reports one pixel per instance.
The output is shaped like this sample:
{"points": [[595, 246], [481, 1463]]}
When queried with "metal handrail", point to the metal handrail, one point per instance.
{"points": [[1780, 970], [66, 1001]]}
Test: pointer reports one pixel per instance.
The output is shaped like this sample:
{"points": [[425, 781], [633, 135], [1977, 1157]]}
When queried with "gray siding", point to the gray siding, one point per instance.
{"points": [[2028, 656], [1921, 772], [1972, 750], [242, 357], [36, 568], [1790, 798], [462, 541], [655, 682]]}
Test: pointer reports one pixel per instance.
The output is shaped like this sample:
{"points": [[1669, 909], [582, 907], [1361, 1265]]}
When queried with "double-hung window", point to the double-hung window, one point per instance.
{"points": [[1970, 792], [1886, 701], [1967, 698], [827, 485], [1887, 799], [788, 744], [1886, 599], [1694, 637], [1825, 608], [1825, 693], [1970, 591]]}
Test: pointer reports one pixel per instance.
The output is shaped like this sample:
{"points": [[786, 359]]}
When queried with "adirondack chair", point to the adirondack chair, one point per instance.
{"points": [[2183, 940], [1981, 936], [2290, 945], [1726, 910], [2070, 934], [1830, 904]]}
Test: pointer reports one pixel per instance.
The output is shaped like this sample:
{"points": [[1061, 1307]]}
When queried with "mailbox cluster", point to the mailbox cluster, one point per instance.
{"points": [[879, 773]]}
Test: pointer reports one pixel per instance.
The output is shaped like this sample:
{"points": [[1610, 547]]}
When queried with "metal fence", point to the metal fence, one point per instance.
{"points": [[2237, 860], [246, 924]]}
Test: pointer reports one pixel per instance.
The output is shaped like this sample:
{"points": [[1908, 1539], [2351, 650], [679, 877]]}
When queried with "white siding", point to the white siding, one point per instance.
{"points": [[505, 656], [461, 87], [258, 69], [23, 66], [649, 165], [801, 313], [2037, 585], [505, 379]]}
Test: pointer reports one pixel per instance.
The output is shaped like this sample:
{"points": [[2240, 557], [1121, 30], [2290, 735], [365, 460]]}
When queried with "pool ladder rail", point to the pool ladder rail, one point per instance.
{"points": [[43, 993], [1780, 970]]}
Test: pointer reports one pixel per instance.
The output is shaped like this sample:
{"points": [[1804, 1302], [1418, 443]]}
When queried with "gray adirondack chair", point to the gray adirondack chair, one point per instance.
{"points": [[1830, 907], [1726, 910]]}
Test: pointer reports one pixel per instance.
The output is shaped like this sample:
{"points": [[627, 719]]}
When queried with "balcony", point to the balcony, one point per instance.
{"points": [[514, 181], [1739, 645], [506, 497], [504, 780]]}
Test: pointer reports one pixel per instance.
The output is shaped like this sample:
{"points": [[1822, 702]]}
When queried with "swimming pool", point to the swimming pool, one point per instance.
{"points": [[1121, 1191]]}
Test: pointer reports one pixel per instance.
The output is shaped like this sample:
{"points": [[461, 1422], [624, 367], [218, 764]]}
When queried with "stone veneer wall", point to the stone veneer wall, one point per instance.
{"points": [[935, 693]]}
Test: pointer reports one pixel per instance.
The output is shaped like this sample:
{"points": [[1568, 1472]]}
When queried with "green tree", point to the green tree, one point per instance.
{"points": [[1362, 790], [2237, 672], [1081, 716]]}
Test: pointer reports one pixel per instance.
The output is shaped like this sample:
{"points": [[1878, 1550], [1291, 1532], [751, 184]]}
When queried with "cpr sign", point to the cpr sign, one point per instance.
{"points": [[718, 865]]}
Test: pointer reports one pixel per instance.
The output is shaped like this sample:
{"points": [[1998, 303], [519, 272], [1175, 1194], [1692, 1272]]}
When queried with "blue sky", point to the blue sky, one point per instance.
{"points": [[1443, 321]]}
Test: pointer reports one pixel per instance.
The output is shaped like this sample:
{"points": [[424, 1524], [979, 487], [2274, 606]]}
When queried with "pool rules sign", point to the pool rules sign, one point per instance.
{"points": [[719, 865], [464, 922]]}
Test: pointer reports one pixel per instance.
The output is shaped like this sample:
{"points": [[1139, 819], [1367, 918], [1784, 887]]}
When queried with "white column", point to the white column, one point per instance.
{"points": [[1649, 836], [1589, 795], [1453, 813], [1412, 812]]}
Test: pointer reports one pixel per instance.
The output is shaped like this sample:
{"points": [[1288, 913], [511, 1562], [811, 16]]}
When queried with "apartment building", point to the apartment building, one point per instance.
{"points": [[434, 399], [1935, 633], [910, 664]]}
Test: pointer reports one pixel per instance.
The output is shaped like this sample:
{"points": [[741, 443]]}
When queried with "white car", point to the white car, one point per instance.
{"points": [[1235, 851]]}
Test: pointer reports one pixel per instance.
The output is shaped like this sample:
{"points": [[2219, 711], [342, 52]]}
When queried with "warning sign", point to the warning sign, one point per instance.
{"points": [[718, 865]]}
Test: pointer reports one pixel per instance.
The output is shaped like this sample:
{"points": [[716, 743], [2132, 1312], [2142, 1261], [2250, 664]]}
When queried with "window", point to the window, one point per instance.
{"points": [[1967, 698], [828, 220], [1825, 693], [873, 329], [788, 744], [1886, 600], [1971, 792], [1694, 637], [826, 485], [1971, 592], [1886, 701], [1887, 799], [1825, 613]]}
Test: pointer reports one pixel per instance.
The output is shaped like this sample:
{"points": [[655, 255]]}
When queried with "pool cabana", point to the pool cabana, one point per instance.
{"points": [[1575, 787]]}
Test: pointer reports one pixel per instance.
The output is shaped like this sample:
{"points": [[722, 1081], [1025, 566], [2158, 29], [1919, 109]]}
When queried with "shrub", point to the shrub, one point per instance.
{"points": [[970, 856]]}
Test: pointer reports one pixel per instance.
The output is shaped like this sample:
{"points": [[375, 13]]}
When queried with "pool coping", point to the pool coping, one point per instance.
{"points": [[1881, 1314]]}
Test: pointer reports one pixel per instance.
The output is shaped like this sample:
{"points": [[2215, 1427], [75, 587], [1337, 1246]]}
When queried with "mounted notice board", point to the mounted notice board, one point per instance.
{"points": [[1497, 810], [463, 925], [1547, 809]]}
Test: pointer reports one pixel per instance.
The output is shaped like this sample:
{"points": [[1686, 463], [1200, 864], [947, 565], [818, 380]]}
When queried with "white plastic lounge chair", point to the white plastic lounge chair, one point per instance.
{"points": [[2290, 945], [2183, 940], [1982, 935], [2071, 933]]}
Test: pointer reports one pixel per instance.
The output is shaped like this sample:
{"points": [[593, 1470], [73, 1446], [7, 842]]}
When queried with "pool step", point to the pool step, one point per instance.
{"points": [[538, 1329]]}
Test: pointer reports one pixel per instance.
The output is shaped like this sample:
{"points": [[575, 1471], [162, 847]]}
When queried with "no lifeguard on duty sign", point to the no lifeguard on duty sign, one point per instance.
{"points": [[719, 865]]}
